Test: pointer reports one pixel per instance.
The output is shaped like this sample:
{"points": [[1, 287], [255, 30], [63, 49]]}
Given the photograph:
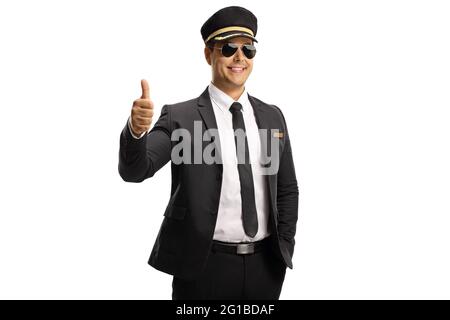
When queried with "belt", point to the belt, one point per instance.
{"points": [[240, 248]]}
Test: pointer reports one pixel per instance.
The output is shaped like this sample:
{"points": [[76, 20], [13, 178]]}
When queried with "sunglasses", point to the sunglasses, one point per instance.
{"points": [[229, 49]]}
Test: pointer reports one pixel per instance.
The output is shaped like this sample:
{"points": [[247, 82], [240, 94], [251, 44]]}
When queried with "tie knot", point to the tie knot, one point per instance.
{"points": [[236, 106]]}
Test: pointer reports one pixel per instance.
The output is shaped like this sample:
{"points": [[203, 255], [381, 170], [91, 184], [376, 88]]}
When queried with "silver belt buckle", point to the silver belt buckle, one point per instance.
{"points": [[245, 248]]}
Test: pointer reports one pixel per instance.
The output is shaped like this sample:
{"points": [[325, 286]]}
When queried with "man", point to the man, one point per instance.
{"points": [[229, 226]]}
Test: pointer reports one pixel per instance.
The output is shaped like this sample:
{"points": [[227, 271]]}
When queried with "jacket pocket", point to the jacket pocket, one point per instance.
{"points": [[175, 212]]}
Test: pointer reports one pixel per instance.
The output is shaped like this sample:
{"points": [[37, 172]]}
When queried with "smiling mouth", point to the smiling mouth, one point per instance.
{"points": [[237, 69]]}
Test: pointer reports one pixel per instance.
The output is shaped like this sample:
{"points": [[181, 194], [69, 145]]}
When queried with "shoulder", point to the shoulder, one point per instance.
{"points": [[180, 106], [272, 108], [179, 110]]}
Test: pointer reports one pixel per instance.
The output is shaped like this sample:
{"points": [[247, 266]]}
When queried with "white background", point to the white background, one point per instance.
{"points": [[364, 86]]}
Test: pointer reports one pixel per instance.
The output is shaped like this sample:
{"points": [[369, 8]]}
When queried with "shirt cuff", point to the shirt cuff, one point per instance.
{"points": [[130, 126]]}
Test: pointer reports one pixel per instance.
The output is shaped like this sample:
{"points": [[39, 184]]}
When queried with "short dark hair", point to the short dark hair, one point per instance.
{"points": [[210, 44]]}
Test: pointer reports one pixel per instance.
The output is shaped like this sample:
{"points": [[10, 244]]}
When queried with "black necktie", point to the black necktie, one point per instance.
{"points": [[249, 216]]}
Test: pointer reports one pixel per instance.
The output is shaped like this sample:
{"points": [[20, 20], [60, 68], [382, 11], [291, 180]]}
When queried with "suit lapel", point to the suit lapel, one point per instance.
{"points": [[258, 111], [262, 121], [206, 111]]}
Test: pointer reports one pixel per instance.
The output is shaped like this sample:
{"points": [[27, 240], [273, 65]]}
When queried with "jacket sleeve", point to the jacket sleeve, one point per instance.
{"points": [[287, 194], [140, 159]]}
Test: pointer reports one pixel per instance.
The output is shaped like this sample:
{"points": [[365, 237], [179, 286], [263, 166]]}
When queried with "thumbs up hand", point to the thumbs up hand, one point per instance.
{"points": [[142, 111]]}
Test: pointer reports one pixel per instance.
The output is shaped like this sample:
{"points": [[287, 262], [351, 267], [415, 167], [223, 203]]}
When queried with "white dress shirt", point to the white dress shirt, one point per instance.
{"points": [[229, 227]]}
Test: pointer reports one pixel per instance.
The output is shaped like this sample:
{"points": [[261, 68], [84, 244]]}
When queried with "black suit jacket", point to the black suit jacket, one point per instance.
{"points": [[185, 237]]}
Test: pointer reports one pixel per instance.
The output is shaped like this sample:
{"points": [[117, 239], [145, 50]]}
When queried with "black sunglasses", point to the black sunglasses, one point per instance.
{"points": [[229, 49]]}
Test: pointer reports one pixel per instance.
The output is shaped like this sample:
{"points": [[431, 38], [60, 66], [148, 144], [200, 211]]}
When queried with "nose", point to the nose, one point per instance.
{"points": [[239, 55]]}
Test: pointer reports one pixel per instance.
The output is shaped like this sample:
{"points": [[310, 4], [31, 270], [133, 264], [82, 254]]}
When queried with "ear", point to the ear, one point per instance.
{"points": [[208, 53]]}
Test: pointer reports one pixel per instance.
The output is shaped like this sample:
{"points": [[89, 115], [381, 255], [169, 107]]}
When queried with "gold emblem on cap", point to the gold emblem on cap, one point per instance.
{"points": [[223, 30]]}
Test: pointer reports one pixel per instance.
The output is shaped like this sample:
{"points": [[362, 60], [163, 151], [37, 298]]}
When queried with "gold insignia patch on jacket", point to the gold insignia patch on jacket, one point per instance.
{"points": [[278, 134]]}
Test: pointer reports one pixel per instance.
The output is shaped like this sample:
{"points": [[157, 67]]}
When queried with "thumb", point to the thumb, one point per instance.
{"points": [[145, 89]]}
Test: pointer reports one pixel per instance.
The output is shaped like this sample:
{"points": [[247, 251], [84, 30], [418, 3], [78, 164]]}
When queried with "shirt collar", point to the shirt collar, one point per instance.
{"points": [[224, 101]]}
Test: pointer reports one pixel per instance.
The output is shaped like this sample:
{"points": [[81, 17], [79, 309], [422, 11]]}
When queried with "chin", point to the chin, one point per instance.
{"points": [[237, 83]]}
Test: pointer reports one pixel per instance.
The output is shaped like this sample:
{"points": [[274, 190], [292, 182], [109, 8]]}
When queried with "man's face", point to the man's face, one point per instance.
{"points": [[231, 72]]}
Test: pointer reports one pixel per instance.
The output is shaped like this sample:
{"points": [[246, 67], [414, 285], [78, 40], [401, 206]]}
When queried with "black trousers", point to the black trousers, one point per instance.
{"points": [[239, 277]]}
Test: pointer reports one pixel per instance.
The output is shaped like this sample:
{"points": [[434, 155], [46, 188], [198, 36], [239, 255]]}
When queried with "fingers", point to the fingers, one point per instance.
{"points": [[140, 123], [143, 104], [145, 89], [139, 129], [143, 112], [141, 115]]}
